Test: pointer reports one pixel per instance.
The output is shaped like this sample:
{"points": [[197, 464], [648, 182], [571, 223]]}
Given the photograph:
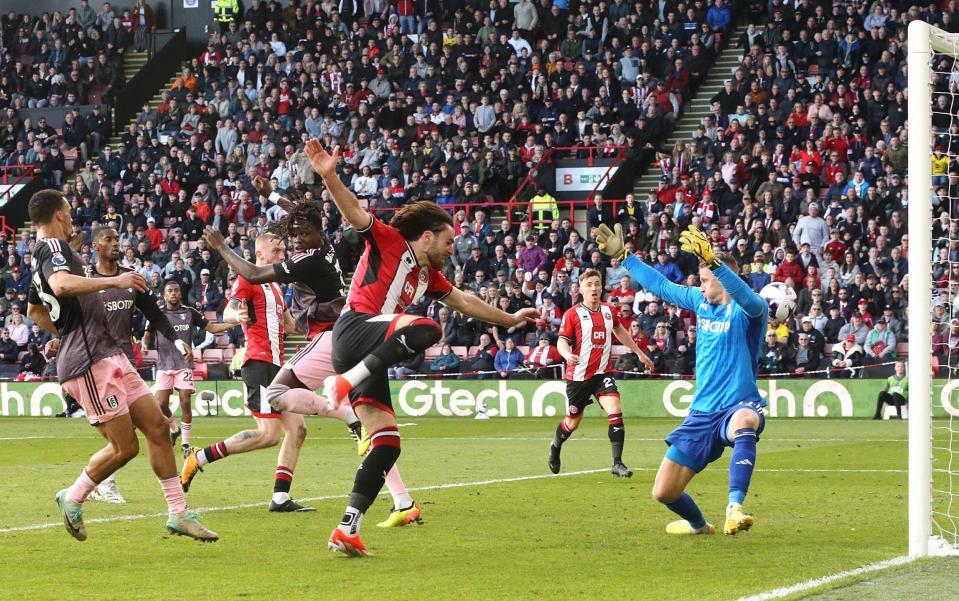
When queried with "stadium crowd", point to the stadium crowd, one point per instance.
{"points": [[799, 172]]}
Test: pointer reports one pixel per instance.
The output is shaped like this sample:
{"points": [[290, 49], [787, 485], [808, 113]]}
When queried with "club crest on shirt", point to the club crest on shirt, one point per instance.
{"points": [[423, 276]]}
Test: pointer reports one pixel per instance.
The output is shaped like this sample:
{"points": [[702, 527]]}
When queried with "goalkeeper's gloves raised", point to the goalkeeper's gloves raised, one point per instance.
{"points": [[611, 241], [694, 241]]}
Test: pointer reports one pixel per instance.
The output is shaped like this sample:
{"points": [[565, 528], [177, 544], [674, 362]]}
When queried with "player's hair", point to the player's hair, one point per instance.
{"points": [[99, 231], [590, 273], [305, 214], [416, 218], [43, 205], [172, 283]]}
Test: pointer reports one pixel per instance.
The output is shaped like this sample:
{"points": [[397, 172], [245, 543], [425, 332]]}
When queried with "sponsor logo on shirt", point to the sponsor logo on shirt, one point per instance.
{"points": [[714, 327]]}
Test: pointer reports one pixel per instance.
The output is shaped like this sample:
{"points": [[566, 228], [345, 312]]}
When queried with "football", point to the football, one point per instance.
{"points": [[781, 299]]}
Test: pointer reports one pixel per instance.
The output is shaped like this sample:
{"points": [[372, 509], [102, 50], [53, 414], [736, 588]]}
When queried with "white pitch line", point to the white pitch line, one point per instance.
{"points": [[785, 591], [497, 438], [128, 518]]}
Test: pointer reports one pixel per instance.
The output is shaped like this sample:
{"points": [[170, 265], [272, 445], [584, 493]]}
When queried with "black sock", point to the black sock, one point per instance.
{"points": [[372, 475], [403, 344], [617, 436], [283, 480], [562, 434]]}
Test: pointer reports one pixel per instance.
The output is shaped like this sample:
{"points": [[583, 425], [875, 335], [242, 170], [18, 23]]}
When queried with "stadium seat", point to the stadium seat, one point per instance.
{"points": [[459, 351], [228, 354], [200, 371], [902, 349], [431, 353], [222, 341], [213, 355], [210, 315], [827, 350]]}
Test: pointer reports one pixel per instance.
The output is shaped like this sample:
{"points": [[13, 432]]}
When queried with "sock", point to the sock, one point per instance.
{"points": [[185, 428], [687, 509], [83, 486], [370, 477], [282, 484], [173, 491], [401, 498], [399, 346], [171, 421], [352, 519], [742, 464], [562, 433], [212, 453], [617, 436]]}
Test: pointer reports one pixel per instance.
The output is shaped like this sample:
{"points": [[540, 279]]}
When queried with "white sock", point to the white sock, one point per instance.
{"points": [[402, 500], [352, 519], [185, 432], [703, 528], [350, 415], [357, 374], [732, 507], [281, 497]]}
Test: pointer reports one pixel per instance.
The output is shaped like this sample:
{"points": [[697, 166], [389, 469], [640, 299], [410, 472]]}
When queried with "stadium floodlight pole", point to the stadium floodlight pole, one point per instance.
{"points": [[919, 49]]}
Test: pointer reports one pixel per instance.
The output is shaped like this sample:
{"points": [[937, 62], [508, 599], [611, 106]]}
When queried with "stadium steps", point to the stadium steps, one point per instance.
{"points": [[132, 63], [726, 64]]}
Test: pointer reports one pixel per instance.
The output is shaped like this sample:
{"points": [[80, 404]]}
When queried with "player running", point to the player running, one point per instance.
{"points": [[119, 304], [266, 320], [92, 368], [174, 369], [318, 297], [400, 264], [585, 342], [727, 410]]}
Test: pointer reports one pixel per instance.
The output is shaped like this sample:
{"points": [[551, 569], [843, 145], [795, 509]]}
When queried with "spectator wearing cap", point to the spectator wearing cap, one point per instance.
{"points": [[816, 338], [880, 342], [667, 268], [847, 358], [205, 295], [758, 277], [806, 358]]}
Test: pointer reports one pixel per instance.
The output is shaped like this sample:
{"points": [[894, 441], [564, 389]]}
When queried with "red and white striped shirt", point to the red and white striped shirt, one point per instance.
{"points": [[388, 278], [590, 333], [264, 330]]}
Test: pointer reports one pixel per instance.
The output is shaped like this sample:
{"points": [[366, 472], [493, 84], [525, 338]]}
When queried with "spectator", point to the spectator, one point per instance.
{"points": [[543, 358], [508, 359], [447, 362], [855, 328], [880, 343], [413, 365], [33, 361], [807, 358], [8, 348], [895, 392], [847, 358]]}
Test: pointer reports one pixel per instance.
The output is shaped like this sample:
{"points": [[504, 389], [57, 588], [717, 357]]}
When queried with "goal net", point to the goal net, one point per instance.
{"points": [[933, 152]]}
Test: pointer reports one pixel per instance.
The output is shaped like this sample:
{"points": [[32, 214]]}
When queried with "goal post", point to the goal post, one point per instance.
{"points": [[932, 503]]}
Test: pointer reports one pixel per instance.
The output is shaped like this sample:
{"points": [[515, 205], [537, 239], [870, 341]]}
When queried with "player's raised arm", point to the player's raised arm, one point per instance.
{"points": [[467, 304], [611, 243], [324, 164], [255, 274], [694, 241]]}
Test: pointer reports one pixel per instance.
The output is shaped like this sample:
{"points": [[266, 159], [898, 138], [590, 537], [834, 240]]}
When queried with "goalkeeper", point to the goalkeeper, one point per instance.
{"points": [[727, 408]]}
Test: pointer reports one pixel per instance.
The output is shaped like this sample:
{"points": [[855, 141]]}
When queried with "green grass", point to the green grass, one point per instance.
{"points": [[582, 536], [928, 579]]}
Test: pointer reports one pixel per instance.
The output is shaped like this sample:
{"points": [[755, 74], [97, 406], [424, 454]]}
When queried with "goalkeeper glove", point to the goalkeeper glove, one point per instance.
{"points": [[694, 241], [611, 241]]}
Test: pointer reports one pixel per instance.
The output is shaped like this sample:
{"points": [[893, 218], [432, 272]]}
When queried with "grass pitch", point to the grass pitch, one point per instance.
{"points": [[828, 496]]}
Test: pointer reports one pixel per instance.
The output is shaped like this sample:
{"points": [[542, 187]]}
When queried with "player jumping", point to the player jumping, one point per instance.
{"points": [[318, 296], [119, 304], [400, 264], [585, 342], [174, 370], [727, 409], [92, 368], [266, 320]]}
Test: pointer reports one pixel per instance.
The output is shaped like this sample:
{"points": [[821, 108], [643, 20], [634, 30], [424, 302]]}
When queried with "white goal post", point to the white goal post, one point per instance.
{"points": [[925, 531]]}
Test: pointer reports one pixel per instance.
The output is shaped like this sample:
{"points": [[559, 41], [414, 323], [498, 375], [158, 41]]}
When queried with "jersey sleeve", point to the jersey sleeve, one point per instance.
{"points": [[51, 257], [567, 327], [650, 279], [439, 287], [198, 320], [241, 289]]}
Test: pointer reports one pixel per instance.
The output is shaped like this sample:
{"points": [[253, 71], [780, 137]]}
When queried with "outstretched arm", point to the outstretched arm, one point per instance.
{"points": [[468, 304], [324, 164], [40, 315], [753, 304], [255, 274], [658, 284]]}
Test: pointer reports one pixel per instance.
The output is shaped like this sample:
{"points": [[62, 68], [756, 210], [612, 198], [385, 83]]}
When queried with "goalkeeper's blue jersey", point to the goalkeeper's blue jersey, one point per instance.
{"points": [[728, 337]]}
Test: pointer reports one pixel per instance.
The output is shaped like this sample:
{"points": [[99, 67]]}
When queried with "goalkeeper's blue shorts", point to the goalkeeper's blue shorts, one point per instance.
{"points": [[701, 438]]}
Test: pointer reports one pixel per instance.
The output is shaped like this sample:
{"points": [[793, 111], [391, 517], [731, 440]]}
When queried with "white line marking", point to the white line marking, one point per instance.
{"points": [[128, 518], [500, 438], [785, 591]]}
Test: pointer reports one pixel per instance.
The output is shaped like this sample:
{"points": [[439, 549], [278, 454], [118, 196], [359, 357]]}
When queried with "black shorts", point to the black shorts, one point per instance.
{"points": [[257, 376], [580, 394], [356, 335]]}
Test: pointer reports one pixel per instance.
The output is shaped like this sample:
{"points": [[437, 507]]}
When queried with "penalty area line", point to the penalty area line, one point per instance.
{"points": [[142, 516], [814, 583]]}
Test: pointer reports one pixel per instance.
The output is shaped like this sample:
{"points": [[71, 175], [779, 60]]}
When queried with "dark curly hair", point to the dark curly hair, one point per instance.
{"points": [[305, 214]]}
